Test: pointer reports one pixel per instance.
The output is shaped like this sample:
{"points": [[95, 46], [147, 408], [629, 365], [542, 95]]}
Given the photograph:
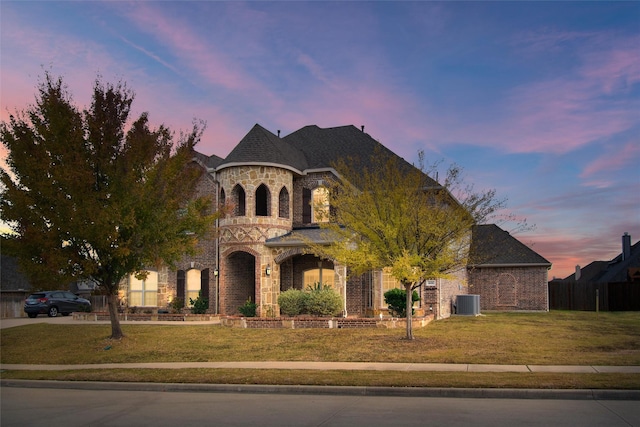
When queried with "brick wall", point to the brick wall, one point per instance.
{"points": [[513, 288]]}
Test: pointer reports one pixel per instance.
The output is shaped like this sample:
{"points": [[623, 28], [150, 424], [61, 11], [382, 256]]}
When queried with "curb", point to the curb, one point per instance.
{"points": [[473, 393]]}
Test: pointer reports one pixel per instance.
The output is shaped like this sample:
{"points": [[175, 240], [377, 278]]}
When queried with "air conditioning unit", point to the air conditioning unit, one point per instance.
{"points": [[468, 305]]}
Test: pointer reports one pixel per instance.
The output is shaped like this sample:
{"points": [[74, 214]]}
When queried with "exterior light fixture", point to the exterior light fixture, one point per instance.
{"points": [[268, 270], [215, 272]]}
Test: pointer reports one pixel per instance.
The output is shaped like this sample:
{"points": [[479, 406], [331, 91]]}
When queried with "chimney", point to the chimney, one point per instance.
{"points": [[626, 246], [578, 273]]}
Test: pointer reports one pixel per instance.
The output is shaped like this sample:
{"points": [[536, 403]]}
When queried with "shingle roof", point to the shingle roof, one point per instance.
{"points": [[298, 237], [323, 147], [260, 146], [616, 270], [491, 245]]}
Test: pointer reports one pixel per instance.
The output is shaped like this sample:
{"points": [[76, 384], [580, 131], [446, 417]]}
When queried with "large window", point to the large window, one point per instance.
{"points": [[319, 275], [320, 201], [263, 201], [143, 293]]}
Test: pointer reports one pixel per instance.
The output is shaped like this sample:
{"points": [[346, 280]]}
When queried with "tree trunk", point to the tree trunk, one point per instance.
{"points": [[116, 330], [409, 309]]}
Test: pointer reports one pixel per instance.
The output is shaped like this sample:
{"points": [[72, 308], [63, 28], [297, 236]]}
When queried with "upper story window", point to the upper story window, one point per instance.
{"points": [[306, 206], [320, 203], [263, 201], [240, 200], [223, 197], [283, 203]]}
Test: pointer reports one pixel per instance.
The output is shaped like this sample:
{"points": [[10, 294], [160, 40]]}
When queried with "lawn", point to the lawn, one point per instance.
{"points": [[555, 338]]}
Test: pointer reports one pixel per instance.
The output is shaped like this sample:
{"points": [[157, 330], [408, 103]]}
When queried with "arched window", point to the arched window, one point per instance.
{"points": [[320, 202], [223, 197], [263, 201], [239, 199], [283, 203]]}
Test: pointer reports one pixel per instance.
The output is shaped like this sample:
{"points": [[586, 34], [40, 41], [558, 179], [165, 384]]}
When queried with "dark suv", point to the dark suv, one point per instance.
{"points": [[54, 302]]}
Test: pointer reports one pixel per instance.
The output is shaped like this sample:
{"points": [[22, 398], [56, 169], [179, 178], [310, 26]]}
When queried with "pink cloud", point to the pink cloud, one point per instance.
{"points": [[615, 160]]}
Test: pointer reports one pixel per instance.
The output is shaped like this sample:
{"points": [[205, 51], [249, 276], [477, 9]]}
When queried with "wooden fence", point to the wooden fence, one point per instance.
{"points": [[610, 296]]}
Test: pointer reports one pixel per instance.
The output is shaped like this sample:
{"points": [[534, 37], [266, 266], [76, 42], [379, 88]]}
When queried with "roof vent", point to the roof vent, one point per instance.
{"points": [[278, 133], [362, 127]]}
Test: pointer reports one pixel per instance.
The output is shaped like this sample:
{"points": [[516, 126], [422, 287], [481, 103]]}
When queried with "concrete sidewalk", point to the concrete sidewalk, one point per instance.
{"points": [[336, 366]]}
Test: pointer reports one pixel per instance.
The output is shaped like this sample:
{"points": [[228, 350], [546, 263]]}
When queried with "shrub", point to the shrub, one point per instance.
{"points": [[323, 301], [200, 305], [292, 302], [248, 309], [396, 299], [176, 305]]}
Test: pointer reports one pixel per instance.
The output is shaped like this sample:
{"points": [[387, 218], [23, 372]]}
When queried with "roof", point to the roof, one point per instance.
{"points": [[309, 148], [299, 237], [260, 146], [491, 246], [616, 270]]}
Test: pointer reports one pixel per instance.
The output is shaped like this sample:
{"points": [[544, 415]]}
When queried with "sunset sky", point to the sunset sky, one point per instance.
{"points": [[540, 100]]}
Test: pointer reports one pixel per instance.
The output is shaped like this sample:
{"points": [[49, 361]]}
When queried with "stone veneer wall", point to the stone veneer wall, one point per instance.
{"points": [[511, 288], [249, 232]]}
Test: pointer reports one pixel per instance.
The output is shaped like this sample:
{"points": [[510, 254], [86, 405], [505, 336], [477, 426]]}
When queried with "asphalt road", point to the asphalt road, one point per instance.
{"points": [[70, 407]]}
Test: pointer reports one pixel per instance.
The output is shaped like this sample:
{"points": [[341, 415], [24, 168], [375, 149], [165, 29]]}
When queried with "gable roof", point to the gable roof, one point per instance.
{"points": [[491, 246]]}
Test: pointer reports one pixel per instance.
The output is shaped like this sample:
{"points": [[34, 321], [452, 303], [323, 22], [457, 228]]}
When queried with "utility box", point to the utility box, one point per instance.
{"points": [[468, 305]]}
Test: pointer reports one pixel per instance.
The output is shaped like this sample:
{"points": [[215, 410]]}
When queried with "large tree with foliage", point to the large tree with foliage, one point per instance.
{"points": [[95, 195], [386, 213]]}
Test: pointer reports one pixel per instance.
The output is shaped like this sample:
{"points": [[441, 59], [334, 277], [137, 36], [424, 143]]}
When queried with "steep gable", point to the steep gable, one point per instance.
{"points": [[492, 246]]}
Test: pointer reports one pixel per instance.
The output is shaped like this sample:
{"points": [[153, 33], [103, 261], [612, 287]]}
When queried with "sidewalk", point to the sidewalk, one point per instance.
{"points": [[337, 366]]}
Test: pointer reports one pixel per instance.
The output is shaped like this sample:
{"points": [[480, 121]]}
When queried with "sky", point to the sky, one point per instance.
{"points": [[537, 100]]}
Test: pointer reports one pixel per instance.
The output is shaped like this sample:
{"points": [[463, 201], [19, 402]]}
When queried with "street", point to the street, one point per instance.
{"points": [[69, 407]]}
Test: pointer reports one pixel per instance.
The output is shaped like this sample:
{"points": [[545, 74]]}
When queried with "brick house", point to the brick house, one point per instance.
{"points": [[271, 183]]}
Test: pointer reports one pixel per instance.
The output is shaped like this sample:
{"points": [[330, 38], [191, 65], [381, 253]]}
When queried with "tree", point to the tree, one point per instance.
{"points": [[386, 213], [90, 195]]}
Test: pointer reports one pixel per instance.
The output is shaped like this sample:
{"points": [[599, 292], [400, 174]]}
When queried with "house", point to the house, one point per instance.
{"points": [[615, 284], [271, 182]]}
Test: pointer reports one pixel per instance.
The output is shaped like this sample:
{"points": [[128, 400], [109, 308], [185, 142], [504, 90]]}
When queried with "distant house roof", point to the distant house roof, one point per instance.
{"points": [[616, 270], [491, 246]]}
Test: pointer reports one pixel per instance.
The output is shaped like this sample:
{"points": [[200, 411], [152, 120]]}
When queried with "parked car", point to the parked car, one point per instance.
{"points": [[54, 302]]}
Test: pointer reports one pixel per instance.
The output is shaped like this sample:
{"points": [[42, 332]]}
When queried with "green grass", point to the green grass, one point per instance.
{"points": [[555, 338]]}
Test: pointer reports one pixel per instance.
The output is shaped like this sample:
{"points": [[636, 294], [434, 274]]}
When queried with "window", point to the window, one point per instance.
{"points": [[283, 203], [388, 282], [143, 293], [263, 201], [320, 201], [193, 286], [306, 206], [318, 275], [430, 283], [223, 197], [239, 199]]}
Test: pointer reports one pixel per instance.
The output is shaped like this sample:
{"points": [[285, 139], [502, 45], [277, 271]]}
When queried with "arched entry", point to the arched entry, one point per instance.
{"points": [[239, 281]]}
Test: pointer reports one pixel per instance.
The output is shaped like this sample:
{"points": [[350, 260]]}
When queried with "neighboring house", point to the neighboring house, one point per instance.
{"points": [[615, 283], [271, 183]]}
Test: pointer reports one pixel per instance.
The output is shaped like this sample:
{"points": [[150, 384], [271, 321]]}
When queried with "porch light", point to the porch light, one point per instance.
{"points": [[268, 270], [215, 272]]}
